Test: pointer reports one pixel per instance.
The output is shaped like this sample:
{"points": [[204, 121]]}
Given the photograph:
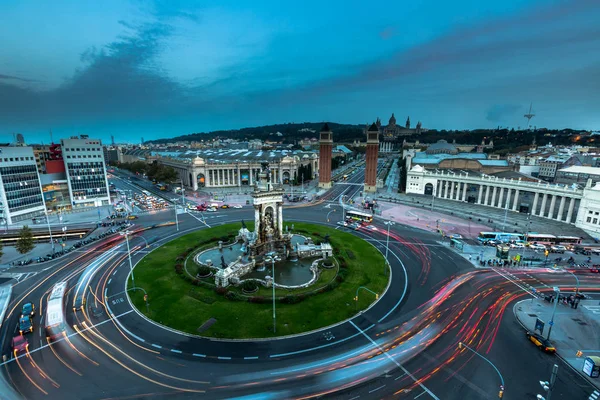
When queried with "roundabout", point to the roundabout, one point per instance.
{"points": [[180, 298]]}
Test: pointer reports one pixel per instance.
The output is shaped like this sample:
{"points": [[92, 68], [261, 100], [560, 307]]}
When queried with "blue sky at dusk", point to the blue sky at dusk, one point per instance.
{"points": [[167, 68]]}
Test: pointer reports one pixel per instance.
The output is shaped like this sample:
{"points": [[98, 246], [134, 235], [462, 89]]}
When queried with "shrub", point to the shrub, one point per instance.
{"points": [[221, 290], [317, 234], [203, 270], [232, 296], [350, 254], [258, 300], [179, 268], [292, 299], [249, 286], [339, 278], [336, 250], [180, 258]]}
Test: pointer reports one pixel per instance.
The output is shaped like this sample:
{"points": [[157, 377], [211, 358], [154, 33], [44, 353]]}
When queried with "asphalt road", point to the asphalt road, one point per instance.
{"points": [[406, 345]]}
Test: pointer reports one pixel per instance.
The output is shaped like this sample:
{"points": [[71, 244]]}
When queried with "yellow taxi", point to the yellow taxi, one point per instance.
{"points": [[542, 343]]}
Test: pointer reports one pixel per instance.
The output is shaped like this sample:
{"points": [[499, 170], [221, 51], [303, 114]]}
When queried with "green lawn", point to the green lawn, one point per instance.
{"points": [[176, 302]]}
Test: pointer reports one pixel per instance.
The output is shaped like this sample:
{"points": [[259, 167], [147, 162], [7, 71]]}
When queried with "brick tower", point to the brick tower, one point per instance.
{"points": [[325, 147], [372, 155]]}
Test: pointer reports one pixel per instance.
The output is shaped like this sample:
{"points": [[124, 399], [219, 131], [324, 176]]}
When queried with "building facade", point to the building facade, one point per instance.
{"points": [[371, 159], [325, 150], [20, 190], [86, 171], [552, 201], [221, 168]]}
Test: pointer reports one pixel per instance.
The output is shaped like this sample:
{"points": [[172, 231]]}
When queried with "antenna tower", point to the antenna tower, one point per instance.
{"points": [[529, 115]]}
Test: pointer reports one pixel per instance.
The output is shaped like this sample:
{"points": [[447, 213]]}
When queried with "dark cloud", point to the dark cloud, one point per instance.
{"points": [[502, 112], [16, 78]]}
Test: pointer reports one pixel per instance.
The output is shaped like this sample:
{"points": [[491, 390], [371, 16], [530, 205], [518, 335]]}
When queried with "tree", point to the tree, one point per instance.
{"points": [[25, 241]]}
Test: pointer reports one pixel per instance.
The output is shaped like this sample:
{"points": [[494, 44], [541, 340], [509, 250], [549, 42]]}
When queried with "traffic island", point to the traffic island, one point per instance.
{"points": [[181, 298]]}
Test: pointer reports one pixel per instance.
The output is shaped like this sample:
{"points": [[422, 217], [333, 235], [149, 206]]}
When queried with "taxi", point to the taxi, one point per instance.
{"points": [[542, 343], [28, 309], [25, 324]]}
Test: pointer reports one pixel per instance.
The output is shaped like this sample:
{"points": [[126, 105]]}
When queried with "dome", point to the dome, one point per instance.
{"points": [[441, 146], [417, 168], [596, 186], [393, 120]]}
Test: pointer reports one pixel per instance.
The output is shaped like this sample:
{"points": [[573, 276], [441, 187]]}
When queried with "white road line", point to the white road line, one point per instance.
{"points": [[355, 397], [250, 358], [176, 351], [419, 395], [157, 346], [374, 390], [224, 358], [396, 362], [198, 355]]}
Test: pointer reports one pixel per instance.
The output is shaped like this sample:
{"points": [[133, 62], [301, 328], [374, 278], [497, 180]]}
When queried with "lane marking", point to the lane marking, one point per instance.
{"points": [[380, 387], [224, 358], [419, 395], [198, 355], [176, 351], [250, 358], [396, 362], [157, 346]]}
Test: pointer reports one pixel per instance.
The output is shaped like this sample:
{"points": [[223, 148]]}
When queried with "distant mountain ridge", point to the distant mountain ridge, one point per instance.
{"points": [[291, 132]]}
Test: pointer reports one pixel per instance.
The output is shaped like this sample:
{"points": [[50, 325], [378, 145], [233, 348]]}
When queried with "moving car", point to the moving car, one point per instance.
{"points": [[456, 236], [25, 324], [28, 309], [211, 209], [225, 206], [132, 217], [342, 223], [201, 207], [558, 249], [538, 247], [19, 344], [542, 343], [237, 206]]}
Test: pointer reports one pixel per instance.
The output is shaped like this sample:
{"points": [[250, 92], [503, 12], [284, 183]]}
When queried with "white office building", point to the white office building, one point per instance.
{"points": [[21, 195], [86, 171]]}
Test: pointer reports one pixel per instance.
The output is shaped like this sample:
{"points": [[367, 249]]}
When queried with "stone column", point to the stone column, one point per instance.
{"points": [[239, 177], [561, 208], [452, 183], [257, 221], [250, 176], [493, 203], [501, 198], [446, 190], [480, 192], [543, 209], [552, 204], [464, 195], [280, 219], [516, 200], [535, 201], [570, 212], [487, 195]]}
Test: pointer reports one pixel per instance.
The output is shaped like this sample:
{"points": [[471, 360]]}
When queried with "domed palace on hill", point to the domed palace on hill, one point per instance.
{"points": [[393, 131]]}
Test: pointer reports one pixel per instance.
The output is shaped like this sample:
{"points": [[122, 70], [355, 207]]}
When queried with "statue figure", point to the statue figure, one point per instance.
{"points": [[244, 225], [223, 263]]}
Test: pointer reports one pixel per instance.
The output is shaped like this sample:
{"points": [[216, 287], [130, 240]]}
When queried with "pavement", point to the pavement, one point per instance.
{"points": [[574, 329]]}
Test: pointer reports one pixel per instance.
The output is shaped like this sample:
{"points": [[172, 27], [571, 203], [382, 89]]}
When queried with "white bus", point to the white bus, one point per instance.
{"points": [[55, 311], [146, 193], [359, 216]]}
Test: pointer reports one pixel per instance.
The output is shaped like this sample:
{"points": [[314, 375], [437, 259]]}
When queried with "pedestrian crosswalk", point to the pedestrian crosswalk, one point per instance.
{"points": [[594, 396]]}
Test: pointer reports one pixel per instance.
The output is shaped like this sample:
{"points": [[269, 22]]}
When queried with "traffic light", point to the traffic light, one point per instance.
{"points": [[546, 253], [579, 353]]}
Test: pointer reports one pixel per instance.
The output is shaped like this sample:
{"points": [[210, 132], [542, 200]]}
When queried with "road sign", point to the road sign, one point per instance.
{"points": [[551, 323], [539, 326]]}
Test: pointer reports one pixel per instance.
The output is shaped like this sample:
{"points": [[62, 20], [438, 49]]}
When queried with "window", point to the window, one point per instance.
{"points": [[595, 221], [589, 219]]}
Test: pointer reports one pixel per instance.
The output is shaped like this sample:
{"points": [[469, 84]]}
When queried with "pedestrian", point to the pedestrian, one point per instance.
{"points": [[469, 257]]}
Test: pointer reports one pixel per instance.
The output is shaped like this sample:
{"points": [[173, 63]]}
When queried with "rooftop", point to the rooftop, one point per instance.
{"points": [[581, 170], [228, 156]]}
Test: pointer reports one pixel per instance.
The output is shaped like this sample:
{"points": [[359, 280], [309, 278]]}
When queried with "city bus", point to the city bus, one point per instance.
{"points": [[500, 236], [55, 311], [541, 238], [359, 216]]}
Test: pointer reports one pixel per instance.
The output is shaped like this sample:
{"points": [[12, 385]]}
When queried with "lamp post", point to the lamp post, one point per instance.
{"points": [[548, 386], [577, 279], [49, 229], [551, 323], [356, 296], [432, 198], [501, 392], [126, 234], [329, 213], [272, 261], [387, 243]]}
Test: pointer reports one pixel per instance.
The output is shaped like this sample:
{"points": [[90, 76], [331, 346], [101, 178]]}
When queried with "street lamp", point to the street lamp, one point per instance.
{"points": [[387, 243], [577, 279], [330, 213], [272, 261], [356, 296], [49, 229], [551, 323], [501, 392], [126, 234]]}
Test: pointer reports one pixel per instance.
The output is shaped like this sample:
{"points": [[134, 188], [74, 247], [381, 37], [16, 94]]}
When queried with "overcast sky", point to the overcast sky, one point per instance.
{"points": [[167, 68]]}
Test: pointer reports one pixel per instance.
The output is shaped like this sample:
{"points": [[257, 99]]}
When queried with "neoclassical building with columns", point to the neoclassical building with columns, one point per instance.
{"points": [[222, 168], [571, 204]]}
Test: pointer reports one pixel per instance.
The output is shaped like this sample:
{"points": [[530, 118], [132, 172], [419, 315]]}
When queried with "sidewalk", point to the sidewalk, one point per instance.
{"points": [[574, 329]]}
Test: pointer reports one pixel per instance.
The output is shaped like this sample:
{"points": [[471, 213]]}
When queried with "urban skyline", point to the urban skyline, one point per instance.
{"points": [[160, 70]]}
